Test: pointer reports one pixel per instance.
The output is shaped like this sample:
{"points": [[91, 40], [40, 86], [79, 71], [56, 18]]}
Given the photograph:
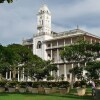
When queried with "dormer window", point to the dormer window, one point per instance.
{"points": [[39, 45]]}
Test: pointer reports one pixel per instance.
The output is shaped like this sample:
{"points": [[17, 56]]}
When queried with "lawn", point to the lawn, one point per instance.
{"points": [[70, 96], [7, 96]]}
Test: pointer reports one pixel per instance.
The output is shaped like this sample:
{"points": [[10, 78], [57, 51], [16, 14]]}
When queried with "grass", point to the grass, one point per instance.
{"points": [[70, 96], [7, 96]]}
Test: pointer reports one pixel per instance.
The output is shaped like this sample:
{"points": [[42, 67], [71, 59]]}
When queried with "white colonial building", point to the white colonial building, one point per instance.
{"points": [[48, 44]]}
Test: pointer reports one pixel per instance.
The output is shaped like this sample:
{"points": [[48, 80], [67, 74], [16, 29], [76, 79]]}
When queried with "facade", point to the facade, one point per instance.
{"points": [[48, 44]]}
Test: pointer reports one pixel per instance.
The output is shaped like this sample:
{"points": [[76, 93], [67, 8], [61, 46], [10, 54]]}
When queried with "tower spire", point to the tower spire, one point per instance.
{"points": [[44, 20]]}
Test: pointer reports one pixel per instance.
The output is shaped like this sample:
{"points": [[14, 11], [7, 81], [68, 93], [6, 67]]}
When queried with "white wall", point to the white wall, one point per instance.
{"points": [[41, 52]]}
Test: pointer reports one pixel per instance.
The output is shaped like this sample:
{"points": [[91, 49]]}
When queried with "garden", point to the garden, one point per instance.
{"points": [[14, 55], [42, 90]]}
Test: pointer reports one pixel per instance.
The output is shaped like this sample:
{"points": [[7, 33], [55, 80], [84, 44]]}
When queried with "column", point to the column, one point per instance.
{"points": [[57, 53], [51, 73], [10, 75], [84, 38], [28, 77], [51, 51], [91, 41], [71, 40], [84, 71], [71, 76], [18, 74], [6, 75], [85, 64], [64, 42], [65, 74], [78, 64], [58, 71], [23, 74], [57, 43], [51, 59]]}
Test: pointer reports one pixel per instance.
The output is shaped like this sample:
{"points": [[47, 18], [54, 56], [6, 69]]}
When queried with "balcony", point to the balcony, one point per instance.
{"points": [[39, 26]]}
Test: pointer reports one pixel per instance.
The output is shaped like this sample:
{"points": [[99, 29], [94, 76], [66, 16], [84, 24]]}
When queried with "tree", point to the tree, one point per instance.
{"points": [[77, 72], [21, 55], [40, 69], [9, 1], [81, 52], [14, 55], [93, 69], [5, 59]]}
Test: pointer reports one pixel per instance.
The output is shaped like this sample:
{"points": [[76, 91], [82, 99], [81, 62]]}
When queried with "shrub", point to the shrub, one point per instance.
{"points": [[48, 85], [54, 84], [2, 83], [12, 84], [35, 84], [29, 84], [23, 84], [63, 84], [80, 83], [50, 78], [97, 82]]}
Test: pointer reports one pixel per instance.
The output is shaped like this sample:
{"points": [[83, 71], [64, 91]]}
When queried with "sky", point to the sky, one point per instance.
{"points": [[18, 20]]}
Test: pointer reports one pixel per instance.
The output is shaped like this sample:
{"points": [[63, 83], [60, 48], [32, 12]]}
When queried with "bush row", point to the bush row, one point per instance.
{"points": [[62, 84], [85, 83]]}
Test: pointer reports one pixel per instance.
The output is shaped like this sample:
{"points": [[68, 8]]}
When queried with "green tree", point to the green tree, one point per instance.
{"points": [[40, 69], [5, 59], [21, 55], [93, 69], [14, 55], [9, 1], [81, 52]]}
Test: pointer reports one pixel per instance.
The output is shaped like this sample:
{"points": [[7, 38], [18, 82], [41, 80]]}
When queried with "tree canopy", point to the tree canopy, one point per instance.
{"points": [[16, 56], [9, 1], [85, 54]]}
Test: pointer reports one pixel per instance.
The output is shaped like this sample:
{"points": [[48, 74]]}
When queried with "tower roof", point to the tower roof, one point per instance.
{"points": [[44, 9]]}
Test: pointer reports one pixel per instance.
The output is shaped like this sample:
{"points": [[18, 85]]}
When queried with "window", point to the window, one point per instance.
{"points": [[49, 55], [41, 17], [68, 76], [49, 45], [39, 45], [42, 22]]}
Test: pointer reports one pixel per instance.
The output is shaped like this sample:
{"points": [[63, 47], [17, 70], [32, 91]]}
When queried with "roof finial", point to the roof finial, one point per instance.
{"points": [[77, 26]]}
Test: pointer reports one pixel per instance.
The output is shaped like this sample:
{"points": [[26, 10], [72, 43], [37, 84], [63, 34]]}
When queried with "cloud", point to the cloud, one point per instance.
{"points": [[18, 20]]}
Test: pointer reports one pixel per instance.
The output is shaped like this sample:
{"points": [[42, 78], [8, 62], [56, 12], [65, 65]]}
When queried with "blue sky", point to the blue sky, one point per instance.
{"points": [[18, 20]]}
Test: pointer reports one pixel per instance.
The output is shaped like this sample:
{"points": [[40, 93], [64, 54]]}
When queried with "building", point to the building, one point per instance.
{"points": [[48, 44]]}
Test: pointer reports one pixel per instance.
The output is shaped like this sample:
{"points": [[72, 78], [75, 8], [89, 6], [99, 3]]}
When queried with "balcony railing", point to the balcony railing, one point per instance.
{"points": [[39, 26]]}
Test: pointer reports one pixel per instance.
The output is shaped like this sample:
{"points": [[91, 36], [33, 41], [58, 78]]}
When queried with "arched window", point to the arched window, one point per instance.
{"points": [[39, 45], [42, 22]]}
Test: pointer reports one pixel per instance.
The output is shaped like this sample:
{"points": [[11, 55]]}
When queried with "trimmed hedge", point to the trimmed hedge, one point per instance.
{"points": [[61, 84]]}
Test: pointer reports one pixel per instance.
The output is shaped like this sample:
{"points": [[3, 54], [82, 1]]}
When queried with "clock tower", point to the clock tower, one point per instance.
{"points": [[44, 20]]}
